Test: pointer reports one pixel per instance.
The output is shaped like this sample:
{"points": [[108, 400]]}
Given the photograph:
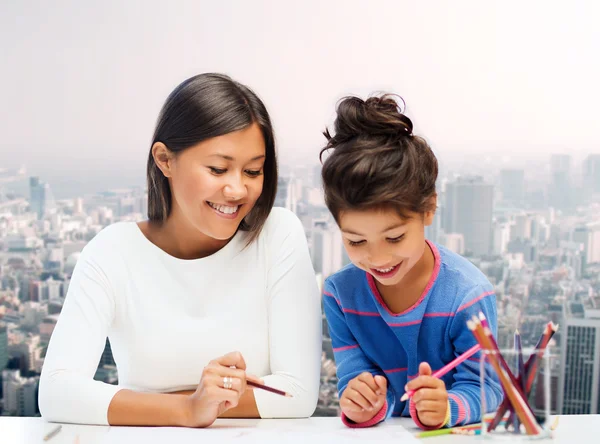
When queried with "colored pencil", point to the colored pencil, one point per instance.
{"points": [[53, 433], [483, 336], [521, 375], [505, 403], [530, 370], [445, 369], [268, 389], [514, 380]]}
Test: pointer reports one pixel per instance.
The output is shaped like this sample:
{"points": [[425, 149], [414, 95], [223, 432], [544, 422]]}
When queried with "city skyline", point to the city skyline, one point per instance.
{"points": [[543, 262]]}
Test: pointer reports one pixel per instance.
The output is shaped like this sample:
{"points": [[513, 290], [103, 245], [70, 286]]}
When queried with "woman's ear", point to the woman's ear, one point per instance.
{"points": [[163, 158], [428, 218]]}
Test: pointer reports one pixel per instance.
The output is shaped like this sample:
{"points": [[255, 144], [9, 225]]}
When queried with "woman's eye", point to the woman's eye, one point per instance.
{"points": [[355, 243], [217, 170], [253, 173]]}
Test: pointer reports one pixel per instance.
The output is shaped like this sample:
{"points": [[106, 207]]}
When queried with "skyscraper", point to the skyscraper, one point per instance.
{"points": [[589, 236], [327, 250], [560, 191], [287, 195], [512, 185], [19, 394], [468, 211], [591, 174], [3, 346], [579, 381], [41, 200]]}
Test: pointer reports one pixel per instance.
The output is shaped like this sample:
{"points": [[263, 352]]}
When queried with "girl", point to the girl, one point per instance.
{"points": [[215, 284], [400, 308]]}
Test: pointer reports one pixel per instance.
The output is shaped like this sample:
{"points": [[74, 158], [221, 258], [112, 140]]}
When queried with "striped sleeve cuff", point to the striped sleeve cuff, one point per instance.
{"points": [[380, 416], [415, 416], [458, 410]]}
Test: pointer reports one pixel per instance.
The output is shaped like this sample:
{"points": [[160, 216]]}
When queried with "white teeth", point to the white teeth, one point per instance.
{"points": [[225, 209], [385, 270]]}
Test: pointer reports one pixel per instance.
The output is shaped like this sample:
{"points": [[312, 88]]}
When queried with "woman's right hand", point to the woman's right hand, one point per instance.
{"points": [[211, 398]]}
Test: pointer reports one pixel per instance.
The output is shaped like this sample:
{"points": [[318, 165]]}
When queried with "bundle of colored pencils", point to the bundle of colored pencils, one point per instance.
{"points": [[516, 389], [526, 376]]}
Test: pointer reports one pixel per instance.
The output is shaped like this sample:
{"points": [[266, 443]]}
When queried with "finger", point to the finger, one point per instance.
{"points": [[367, 378], [381, 385], [215, 368], [219, 395], [421, 395], [428, 405], [350, 406], [430, 419], [367, 392], [232, 359], [424, 369], [423, 382], [223, 382], [430, 394], [358, 398]]}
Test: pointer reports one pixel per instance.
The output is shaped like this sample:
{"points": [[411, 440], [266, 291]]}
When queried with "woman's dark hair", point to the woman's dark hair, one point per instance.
{"points": [[202, 107], [377, 163]]}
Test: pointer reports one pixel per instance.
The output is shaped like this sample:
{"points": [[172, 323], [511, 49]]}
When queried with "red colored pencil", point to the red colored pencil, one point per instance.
{"points": [[268, 389]]}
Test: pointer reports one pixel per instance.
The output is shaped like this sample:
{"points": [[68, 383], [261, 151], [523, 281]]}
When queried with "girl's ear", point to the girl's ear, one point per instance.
{"points": [[428, 216]]}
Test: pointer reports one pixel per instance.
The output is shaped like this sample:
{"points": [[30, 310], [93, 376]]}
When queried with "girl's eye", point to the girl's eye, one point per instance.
{"points": [[395, 239], [217, 170], [253, 173]]}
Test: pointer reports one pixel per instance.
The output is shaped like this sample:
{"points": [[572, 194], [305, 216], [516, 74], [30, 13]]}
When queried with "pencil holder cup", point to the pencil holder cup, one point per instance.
{"points": [[518, 393]]}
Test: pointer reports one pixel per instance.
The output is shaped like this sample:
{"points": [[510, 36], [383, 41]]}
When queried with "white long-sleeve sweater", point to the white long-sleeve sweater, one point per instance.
{"points": [[166, 318]]}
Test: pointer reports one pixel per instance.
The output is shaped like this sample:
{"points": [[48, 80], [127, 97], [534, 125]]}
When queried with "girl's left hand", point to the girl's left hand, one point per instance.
{"points": [[430, 398]]}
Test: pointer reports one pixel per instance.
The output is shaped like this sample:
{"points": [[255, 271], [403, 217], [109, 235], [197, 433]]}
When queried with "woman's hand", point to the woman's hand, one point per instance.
{"points": [[222, 384]]}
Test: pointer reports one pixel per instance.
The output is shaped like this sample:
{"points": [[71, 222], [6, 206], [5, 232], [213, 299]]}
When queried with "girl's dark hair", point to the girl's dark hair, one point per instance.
{"points": [[202, 107], [377, 162]]}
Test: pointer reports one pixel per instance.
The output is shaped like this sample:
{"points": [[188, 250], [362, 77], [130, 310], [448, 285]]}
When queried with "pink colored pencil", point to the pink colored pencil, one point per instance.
{"points": [[445, 369]]}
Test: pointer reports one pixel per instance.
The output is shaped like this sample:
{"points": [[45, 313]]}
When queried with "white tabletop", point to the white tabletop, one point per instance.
{"points": [[579, 429]]}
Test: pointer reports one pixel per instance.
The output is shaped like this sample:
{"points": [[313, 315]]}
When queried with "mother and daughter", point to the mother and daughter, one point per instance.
{"points": [[215, 293]]}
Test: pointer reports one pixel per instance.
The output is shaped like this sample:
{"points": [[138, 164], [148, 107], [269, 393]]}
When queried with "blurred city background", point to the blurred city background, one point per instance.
{"points": [[505, 92], [535, 232]]}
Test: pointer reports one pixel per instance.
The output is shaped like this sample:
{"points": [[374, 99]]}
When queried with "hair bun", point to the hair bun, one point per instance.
{"points": [[377, 116]]}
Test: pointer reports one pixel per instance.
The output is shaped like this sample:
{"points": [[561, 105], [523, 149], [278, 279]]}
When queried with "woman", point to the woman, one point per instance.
{"points": [[214, 285]]}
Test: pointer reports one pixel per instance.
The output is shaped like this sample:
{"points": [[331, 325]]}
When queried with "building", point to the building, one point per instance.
{"points": [[3, 346], [468, 211], [500, 238], [588, 236], [560, 190], [591, 175], [512, 186], [288, 193], [454, 242], [327, 249], [29, 353], [20, 394], [41, 200], [47, 327], [107, 360], [579, 380]]}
